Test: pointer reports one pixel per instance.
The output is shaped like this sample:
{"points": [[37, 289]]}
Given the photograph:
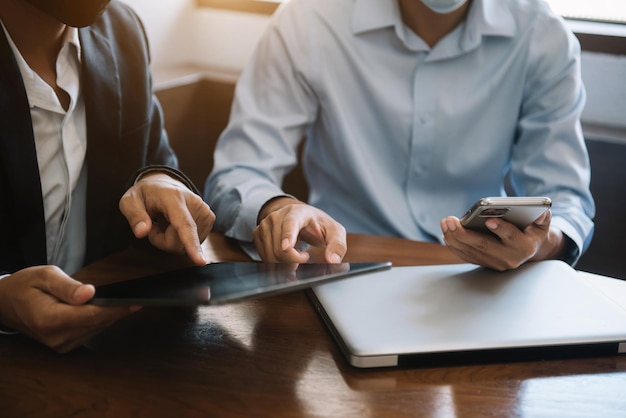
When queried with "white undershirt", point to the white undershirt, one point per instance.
{"points": [[61, 144]]}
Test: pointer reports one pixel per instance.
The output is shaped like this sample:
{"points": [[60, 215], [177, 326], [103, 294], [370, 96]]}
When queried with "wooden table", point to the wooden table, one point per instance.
{"points": [[274, 357]]}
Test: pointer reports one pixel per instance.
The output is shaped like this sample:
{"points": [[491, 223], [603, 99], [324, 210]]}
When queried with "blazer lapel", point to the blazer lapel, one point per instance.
{"points": [[101, 92], [19, 157]]}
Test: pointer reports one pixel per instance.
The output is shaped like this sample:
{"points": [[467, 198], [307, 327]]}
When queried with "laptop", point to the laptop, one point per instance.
{"points": [[444, 315]]}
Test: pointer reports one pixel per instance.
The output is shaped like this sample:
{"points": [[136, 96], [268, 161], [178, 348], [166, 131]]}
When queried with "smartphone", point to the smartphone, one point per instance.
{"points": [[520, 211]]}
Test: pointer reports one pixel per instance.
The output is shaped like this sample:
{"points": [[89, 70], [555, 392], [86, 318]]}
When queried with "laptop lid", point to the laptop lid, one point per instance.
{"points": [[459, 314]]}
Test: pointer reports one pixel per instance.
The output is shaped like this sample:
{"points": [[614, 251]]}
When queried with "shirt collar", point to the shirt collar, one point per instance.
{"points": [[491, 18], [39, 94], [371, 15], [72, 38]]}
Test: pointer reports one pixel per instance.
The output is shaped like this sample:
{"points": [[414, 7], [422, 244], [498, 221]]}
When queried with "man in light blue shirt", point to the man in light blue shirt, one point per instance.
{"points": [[412, 110]]}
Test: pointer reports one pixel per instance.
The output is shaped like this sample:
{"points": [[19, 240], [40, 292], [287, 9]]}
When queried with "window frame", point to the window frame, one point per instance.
{"points": [[594, 36], [265, 7]]}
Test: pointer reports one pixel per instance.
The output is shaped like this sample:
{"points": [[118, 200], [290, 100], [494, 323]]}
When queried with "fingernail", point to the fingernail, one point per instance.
{"points": [[335, 258], [451, 225], [491, 224], [140, 226], [542, 219], [285, 245]]}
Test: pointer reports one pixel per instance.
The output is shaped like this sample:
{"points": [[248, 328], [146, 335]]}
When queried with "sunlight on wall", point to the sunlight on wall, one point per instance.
{"points": [[169, 28]]}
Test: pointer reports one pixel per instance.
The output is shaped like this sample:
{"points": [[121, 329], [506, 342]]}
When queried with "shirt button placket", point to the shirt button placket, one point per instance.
{"points": [[422, 138]]}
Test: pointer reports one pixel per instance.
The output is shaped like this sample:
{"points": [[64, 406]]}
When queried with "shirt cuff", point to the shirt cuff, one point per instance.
{"points": [[571, 253], [248, 213], [4, 331], [250, 250], [172, 172], [574, 242]]}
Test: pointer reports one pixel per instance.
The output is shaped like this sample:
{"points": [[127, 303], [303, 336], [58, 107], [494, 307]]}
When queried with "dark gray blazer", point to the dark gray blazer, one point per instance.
{"points": [[124, 133]]}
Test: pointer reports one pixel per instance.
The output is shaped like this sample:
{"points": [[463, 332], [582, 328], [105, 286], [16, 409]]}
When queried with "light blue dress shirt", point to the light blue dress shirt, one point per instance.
{"points": [[400, 135]]}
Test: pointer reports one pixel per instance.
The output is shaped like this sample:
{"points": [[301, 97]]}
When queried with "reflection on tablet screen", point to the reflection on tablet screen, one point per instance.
{"points": [[220, 283]]}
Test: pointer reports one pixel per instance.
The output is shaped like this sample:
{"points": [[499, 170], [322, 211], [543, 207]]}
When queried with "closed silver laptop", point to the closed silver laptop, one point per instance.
{"points": [[459, 314]]}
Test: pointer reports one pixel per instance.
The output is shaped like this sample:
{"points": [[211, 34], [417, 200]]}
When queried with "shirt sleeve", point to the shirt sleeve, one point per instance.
{"points": [[272, 107], [550, 156]]}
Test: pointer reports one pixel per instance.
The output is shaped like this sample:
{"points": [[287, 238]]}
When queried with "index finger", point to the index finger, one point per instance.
{"points": [[317, 231], [180, 219]]}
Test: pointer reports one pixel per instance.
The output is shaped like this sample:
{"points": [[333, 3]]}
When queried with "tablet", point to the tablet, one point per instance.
{"points": [[227, 282]]}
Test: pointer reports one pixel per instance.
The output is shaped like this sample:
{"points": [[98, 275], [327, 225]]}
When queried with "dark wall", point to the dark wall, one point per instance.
{"points": [[607, 251], [195, 114]]}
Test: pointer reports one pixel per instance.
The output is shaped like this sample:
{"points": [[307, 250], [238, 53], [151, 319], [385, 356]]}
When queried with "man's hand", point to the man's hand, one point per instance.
{"points": [[508, 247], [284, 222], [172, 217], [49, 306]]}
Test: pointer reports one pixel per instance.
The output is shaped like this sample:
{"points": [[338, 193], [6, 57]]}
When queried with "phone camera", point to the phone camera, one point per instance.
{"points": [[494, 212]]}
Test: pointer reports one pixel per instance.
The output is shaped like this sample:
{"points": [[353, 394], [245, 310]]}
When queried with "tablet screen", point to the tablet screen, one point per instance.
{"points": [[220, 283]]}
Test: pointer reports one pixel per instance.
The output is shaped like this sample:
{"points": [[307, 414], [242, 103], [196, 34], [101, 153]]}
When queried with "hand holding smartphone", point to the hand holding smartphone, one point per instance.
{"points": [[520, 211]]}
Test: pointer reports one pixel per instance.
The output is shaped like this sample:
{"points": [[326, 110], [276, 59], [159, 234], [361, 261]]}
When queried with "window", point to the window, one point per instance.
{"points": [[612, 11], [266, 7]]}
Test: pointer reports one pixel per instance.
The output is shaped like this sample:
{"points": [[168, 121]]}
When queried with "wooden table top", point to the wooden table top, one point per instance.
{"points": [[274, 357]]}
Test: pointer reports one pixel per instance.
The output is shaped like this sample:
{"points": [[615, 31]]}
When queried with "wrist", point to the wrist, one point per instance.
{"points": [[168, 171], [557, 246], [275, 204], [551, 247]]}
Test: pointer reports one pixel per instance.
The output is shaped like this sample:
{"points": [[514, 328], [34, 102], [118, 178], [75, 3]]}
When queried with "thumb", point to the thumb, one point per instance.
{"points": [[68, 290], [544, 219], [82, 294], [335, 252]]}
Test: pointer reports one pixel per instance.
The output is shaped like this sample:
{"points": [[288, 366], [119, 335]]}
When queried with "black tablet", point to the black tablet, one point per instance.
{"points": [[221, 283]]}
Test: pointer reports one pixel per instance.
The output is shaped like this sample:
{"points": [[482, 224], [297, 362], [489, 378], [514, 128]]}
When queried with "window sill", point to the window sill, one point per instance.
{"points": [[603, 37], [266, 7], [165, 78]]}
